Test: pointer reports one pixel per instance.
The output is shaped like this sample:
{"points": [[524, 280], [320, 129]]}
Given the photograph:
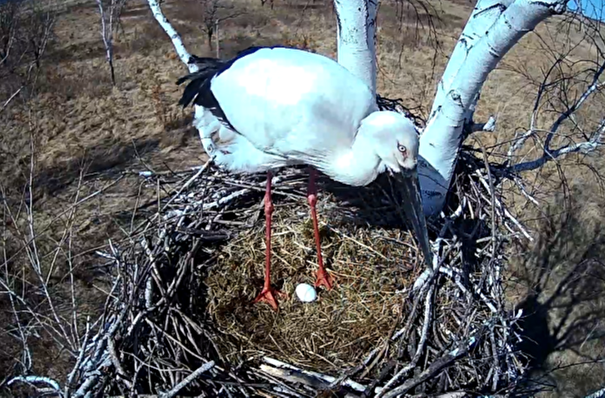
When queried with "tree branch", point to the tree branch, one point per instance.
{"points": [[463, 348], [204, 368], [492, 30], [177, 42], [36, 379], [597, 394], [107, 34], [584, 147], [563, 85], [577, 105]]}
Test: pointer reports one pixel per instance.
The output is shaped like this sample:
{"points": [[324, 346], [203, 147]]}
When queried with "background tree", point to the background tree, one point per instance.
{"points": [[213, 13], [110, 11], [25, 30]]}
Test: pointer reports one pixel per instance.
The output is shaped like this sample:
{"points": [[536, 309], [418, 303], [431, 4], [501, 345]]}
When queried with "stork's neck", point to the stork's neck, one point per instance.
{"points": [[357, 165]]}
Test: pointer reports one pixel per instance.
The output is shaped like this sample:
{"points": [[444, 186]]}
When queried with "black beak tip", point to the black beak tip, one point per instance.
{"points": [[412, 204]]}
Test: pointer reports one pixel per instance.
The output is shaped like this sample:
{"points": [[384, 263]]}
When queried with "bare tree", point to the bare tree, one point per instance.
{"points": [[25, 30], [566, 92], [110, 20], [9, 26], [213, 13], [38, 23], [21, 236]]}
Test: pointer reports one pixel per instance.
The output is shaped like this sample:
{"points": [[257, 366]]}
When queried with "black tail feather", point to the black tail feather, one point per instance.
{"points": [[198, 89], [208, 67], [192, 89], [205, 61]]}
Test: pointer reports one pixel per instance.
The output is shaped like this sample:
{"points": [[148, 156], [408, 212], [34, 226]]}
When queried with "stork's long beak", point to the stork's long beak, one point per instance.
{"points": [[412, 204]]}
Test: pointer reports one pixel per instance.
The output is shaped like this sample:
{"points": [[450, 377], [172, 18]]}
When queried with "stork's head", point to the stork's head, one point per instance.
{"points": [[395, 142], [394, 139]]}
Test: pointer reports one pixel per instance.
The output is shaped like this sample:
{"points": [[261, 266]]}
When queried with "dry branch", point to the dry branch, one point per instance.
{"points": [[568, 86]]}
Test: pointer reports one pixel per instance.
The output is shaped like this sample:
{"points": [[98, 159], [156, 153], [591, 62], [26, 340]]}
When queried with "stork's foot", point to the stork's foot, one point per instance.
{"points": [[268, 295], [324, 279]]}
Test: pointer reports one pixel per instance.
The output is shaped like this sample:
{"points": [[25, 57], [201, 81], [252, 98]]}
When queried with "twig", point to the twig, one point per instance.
{"points": [[423, 337], [326, 378], [436, 366], [172, 34], [36, 380], [187, 380]]}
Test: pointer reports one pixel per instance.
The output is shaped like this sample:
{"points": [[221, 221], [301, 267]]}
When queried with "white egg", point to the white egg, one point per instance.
{"points": [[306, 293]]}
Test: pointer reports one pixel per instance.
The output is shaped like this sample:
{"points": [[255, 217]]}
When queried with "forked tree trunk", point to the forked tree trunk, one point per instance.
{"points": [[493, 28]]}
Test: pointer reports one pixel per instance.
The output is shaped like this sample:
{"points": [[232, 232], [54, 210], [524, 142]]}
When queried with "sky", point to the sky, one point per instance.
{"points": [[591, 8]]}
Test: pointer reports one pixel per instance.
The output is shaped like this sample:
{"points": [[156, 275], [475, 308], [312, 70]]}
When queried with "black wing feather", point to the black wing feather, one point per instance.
{"points": [[199, 90]]}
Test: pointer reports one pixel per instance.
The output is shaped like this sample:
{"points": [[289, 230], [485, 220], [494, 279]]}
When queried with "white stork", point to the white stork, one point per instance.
{"points": [[271, 107]]}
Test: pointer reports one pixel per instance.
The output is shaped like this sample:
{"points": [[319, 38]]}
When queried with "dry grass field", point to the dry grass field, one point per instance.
{"points": [[80, 136]]}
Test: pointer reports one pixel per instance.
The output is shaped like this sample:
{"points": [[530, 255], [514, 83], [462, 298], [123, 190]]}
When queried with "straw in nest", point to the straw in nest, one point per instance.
{"points": [[373, 267]]}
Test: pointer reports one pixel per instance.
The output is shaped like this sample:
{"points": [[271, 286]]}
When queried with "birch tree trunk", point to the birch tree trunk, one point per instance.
{"points": [[356, 34], [493, 28], [202, 116]]}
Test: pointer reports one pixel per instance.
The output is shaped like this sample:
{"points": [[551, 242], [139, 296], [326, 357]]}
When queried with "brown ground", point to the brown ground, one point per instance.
{"points": [[79, 122]]}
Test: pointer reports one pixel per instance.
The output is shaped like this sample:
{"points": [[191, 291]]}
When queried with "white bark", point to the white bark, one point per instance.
{"points": [[107, 34], [597, 394], [177, 42], [183, 54], [493, 28], [356, 33], [481, 20]]}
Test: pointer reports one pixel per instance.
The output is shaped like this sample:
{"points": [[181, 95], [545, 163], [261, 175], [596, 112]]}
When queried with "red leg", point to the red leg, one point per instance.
{"points": [[323, 277], [268, 293]]}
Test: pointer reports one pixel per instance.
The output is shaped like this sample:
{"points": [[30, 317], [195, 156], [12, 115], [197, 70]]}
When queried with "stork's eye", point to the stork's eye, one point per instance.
{"points": [[402, 149]]}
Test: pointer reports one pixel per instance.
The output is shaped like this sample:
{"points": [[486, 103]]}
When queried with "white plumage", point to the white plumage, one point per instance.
{"points": [[274, 107], [294, 107]]}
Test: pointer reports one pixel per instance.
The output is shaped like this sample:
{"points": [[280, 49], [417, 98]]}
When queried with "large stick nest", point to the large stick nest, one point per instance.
{"points": [[179, 316]]}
